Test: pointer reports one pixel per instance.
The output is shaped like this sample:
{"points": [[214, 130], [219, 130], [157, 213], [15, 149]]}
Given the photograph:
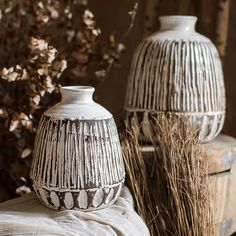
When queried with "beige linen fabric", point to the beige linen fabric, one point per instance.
{"points": [[27, 216]]}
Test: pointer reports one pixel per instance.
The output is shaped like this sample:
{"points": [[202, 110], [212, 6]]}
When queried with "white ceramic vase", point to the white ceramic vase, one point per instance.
{"points": [[77, 159], [177, 71]]}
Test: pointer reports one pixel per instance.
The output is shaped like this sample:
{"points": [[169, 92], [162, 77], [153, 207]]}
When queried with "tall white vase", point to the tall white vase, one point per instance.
{"points": [[177, 71], [77, 160]]}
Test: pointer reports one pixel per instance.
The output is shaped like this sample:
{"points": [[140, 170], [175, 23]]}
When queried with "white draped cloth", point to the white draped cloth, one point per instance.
{"points": [[27, 216]]}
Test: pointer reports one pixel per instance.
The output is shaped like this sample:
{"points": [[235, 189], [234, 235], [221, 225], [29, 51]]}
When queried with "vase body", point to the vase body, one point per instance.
{"points": [[77, 160], [177, 71]]}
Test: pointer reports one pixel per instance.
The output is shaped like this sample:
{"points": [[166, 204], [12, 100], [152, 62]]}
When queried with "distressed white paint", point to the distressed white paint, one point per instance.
{"points": [[106, 190], [109, 196], [83, 199], [55, 200], [177, 71], [44, 196], [68, 200], [98, 198], [74, 156], [118, 191]]}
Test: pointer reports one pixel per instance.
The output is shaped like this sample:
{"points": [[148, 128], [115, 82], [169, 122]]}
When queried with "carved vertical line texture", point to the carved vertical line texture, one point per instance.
{"points": [[183, 77], [186, 70], [76, 155]]}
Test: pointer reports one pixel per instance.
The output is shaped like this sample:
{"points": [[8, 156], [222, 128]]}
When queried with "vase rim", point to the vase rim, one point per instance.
{"points": [[78, 88], [178, 23], [190, 17]]}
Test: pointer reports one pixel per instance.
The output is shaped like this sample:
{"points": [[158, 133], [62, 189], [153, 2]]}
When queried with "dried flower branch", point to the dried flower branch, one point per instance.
{"points": [[117, 47], [132, 14], [24, 89], [69, 25]]}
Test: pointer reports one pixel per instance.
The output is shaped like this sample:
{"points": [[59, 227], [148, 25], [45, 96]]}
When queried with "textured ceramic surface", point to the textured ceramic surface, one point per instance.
{"points": [[77, 160], [177, 71]]}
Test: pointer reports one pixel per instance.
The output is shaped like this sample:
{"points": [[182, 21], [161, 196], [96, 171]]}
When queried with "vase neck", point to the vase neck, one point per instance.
{"points": [[178, 23], [77, 94]]}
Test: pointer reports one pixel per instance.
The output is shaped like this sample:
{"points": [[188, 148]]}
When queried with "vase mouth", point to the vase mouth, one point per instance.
{"points": [[78, 88], [77, 94], [178, 17], [178, 23]]}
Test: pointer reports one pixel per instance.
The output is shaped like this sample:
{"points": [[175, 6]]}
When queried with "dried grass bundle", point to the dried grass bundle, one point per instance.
{"points": [[137, 177], [170, 187]]}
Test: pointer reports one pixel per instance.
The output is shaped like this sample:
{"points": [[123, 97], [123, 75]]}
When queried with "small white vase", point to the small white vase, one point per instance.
{"points": [[77, 159], [177, 71]]}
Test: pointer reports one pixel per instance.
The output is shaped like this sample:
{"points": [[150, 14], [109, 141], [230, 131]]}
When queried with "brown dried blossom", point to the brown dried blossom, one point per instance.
{"points": [[70, 26], [40, 66], [24, 88]]}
